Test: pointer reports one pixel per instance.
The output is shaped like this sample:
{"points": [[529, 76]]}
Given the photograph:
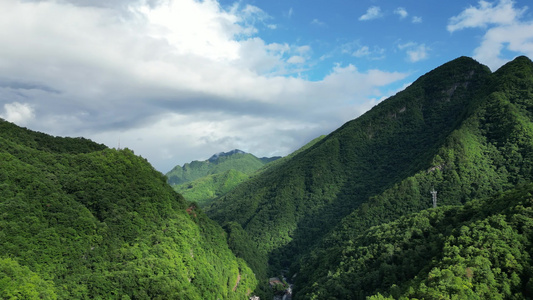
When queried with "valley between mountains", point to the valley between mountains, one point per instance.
{"points": [[348, 216]]}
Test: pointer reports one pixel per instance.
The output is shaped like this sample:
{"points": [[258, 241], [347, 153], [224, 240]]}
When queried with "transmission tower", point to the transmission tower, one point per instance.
{"points": [[434, 196]]}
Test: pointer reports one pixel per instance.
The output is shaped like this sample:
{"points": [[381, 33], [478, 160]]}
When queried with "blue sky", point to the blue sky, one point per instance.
{"points": [[179, 80], [407, 36]]}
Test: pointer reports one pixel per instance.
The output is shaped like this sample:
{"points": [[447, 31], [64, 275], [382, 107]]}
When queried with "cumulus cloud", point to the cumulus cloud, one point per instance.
{"points": [[296, 59], [415, 52], [173, 80], [416, 20], [402, 12], [373, 12], [486, 13], [19, 113], [504, 30], [517, 38]]}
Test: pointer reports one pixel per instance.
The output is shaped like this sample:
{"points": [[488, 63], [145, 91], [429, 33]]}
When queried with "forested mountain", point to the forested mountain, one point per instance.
{"points": [[205, 189], [489, 152], [481, 250], [349, 214], [460, 129], [80, 221], [203, 181], [237, 160]]}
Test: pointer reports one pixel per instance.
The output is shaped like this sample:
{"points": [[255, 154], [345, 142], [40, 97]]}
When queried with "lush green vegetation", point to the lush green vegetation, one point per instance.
{"points": [[489, 152], [205, 189], [80, 221], [203, 181], [349, 214], [459, 129], [481, 250], [219, 163]]}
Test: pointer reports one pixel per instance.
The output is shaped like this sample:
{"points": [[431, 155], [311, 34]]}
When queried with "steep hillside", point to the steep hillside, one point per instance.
{"points": [[205, 190], [317, 188], [481, 250], [459, 129], [203, 181], [490, 152], [80, 221], [218, 163]]}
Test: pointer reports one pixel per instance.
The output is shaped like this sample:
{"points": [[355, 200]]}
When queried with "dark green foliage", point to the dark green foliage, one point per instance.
{"points": [[483, 156], [288, 208], [44, 142], [478, 251], [458, 129], [103, 224]]}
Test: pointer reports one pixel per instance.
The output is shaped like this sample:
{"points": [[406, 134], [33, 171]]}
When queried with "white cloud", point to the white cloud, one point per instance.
{"points": [[363, 51], [407, 45], [517, 38], [296, 59], [485, 14], [416, 20], [317, 22], [174, 80], [400, 11], [505, 30], [415, 52], [19, 113], [372, 12], [303, 49]]}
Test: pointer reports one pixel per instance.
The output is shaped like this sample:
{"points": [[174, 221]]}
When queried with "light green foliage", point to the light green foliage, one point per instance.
{"points": [[204, 190], [19, 282], [243, 162], [85, 222], [204, 181]]}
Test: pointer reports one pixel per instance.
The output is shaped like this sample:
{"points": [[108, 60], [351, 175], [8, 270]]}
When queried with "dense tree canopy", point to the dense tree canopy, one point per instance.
{"points": [[460, 129], [349, 215], [78, 220]]}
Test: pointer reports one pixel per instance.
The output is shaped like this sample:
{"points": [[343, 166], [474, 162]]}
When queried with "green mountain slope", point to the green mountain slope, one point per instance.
{"points": [[459, 129], [203, 181], [219, 163], [205, 189], [490, 152], [481, 250], [79, 221]]}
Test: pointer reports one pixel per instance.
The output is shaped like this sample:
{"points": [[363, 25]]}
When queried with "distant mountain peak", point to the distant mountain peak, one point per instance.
{"points": [[222, 154]]}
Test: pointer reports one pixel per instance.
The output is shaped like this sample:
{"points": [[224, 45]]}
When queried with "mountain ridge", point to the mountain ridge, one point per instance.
{"points": [[81, 221], [421, 137], [218, 163], [215, 157]]}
